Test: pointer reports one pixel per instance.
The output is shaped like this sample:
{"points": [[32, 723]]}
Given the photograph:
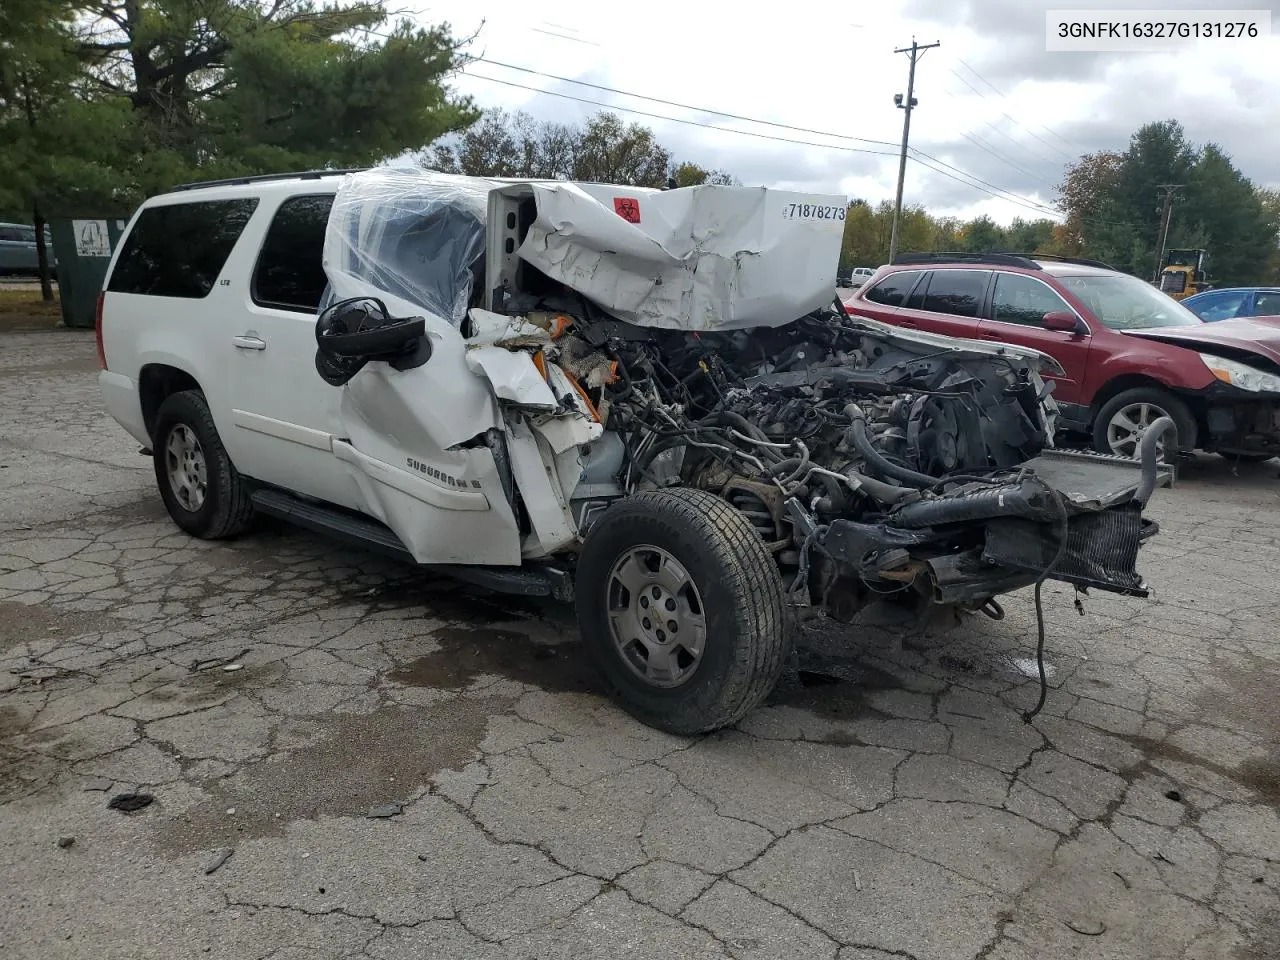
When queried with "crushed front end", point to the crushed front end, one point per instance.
{"points": [[875, 462]]}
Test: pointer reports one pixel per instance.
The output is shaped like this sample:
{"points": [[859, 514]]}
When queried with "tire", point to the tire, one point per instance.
{"points": [[747, 631], [184, 431], [1158, 403]]}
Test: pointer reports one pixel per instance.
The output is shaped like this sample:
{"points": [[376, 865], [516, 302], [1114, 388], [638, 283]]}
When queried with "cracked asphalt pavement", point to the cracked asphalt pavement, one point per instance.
{"points": [[272, 692]]}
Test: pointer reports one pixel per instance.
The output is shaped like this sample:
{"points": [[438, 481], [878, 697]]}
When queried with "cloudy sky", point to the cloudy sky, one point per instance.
{"points": [[998, 117]]}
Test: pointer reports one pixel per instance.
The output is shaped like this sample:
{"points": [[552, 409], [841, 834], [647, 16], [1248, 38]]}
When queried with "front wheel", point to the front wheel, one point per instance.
{"points": [[1124, 419], [681, 609]]}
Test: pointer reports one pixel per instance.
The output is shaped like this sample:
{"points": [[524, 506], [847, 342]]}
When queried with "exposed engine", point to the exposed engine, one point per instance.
{"points": [[868, 462]]}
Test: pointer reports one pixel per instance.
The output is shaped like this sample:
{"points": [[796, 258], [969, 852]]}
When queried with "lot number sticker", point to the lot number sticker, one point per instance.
{"points": [[812, 211]]}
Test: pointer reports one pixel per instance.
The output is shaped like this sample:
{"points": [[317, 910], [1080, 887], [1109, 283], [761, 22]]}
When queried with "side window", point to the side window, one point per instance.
{"points": [[178, 250], [893, 289], [958, 292], [1219, 306], [1267, 303], [10, 234], [290, 270], [1024, 300]]}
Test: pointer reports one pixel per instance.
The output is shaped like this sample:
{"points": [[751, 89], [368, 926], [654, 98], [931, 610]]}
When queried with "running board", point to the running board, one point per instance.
{"points": [[361, 531]]}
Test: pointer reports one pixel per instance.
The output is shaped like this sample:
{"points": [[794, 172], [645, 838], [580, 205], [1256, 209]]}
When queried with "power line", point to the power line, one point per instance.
{"points": [[691, 123], [980, 185], [677, 104], [1003, 97], [987, 148], [961, 78]]}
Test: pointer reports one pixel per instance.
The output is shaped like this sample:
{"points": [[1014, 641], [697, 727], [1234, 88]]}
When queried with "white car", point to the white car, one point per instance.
{"points": [[860, 275], [640, 400]]}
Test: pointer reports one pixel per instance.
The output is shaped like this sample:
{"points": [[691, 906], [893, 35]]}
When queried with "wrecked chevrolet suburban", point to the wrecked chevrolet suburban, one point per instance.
{"points": [[646, 402]]}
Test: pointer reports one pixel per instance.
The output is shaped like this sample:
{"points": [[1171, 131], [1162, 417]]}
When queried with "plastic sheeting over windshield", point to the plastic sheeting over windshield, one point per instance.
{"points": [[415, 236]]}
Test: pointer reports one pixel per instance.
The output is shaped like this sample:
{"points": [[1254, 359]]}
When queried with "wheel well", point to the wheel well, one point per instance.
{"points": [[1120, 384], [1130, 380], [156, 383]]}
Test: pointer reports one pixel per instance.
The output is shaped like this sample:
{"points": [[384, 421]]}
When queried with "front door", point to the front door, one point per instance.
{"points": [[1018, 305]]}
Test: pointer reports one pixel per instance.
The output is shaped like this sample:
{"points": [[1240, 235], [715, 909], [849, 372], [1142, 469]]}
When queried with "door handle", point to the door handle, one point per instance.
{"points": [[247, 342], [907, 323]]}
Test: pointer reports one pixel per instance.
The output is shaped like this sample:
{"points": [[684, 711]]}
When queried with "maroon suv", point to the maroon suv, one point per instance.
{"points": [[1129, 353]]}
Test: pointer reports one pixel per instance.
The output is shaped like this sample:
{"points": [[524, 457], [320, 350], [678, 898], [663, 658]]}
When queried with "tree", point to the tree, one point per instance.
{"points": [[689, 174], [982, 235], [191, 89], [1224, 214], [605, 150], [1085, 191], [37, 70]]}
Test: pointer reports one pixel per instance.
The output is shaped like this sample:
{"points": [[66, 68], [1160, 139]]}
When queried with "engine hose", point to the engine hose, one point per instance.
{"points": [[883, 492], [744, 425], [860, 438], [1147, 454], [796, 466], [1023, 499]]}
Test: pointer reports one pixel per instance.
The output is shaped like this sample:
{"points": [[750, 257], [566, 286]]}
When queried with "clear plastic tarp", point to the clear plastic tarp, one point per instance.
{"points": [[409, 235]]}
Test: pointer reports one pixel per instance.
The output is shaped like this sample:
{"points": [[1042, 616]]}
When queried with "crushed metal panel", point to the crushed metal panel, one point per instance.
{"points": [[700, 258]]}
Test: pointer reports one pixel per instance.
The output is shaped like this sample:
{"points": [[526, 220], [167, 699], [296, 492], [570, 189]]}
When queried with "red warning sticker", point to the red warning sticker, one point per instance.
{"points": [[628, 208]]}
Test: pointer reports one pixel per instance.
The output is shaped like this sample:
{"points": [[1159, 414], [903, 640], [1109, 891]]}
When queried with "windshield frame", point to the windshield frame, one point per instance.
{"points": [[1134, 292]]}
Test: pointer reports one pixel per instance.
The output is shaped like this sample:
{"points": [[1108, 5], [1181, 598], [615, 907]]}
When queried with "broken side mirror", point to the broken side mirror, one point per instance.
{"points": [[361, 328], [352, 332], [1061, 320]]}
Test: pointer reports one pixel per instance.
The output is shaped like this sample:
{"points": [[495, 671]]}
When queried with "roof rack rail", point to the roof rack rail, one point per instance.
{"points": [[1079, 261], [993, 259], [265, 177]]}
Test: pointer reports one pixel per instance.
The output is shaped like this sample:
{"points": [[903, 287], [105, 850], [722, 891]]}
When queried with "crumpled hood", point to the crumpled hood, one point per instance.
{"points": [[699, 259], [1256, 335]]}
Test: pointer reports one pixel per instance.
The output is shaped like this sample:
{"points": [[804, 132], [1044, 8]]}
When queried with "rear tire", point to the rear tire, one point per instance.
{"points": [[694, 559], [1120, 423], [201, 488]]}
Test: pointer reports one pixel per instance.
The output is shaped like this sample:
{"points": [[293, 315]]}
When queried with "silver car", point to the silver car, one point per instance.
{"points": [[18, 250]]}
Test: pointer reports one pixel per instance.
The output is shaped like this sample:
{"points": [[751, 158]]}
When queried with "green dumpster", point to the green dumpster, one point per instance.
{"points": [[82, 248]]}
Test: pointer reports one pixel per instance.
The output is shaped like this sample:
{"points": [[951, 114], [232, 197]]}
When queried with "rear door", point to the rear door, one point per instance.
{"points": [[947, 301], [285, 416], [1018, 305], [1266, 303]]}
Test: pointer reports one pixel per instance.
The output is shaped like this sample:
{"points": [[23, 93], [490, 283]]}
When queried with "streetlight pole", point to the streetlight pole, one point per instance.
{"points": [[916, 51]]}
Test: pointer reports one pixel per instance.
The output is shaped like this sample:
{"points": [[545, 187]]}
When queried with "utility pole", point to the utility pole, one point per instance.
{"points": [[1169, 190], [916, 51]]}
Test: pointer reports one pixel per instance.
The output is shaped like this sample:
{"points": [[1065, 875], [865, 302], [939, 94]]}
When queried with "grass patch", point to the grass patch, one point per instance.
{"points": [[24, 308]]}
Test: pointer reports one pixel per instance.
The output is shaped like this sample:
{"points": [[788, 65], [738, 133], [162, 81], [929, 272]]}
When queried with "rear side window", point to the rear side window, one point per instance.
{"points": [[11, 234], [1267, 303], [290, 271], [893, 289], [958, 292], [178, 250]]}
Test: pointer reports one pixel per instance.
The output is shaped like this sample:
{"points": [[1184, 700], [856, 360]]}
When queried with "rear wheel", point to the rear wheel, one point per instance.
{"points": [[1124, 419], [681, 609], [200, 487]]}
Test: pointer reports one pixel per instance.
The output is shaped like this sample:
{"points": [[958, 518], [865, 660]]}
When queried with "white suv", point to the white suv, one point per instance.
{"points": [[640, 400]]}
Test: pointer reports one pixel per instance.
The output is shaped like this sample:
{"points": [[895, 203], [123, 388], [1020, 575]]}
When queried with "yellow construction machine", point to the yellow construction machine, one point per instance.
{"points": [[1183, 273]]}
